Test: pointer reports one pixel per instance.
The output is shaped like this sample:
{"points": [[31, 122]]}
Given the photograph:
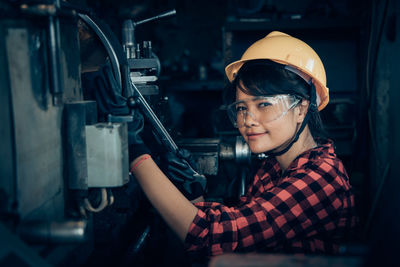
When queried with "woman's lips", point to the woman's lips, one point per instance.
{"points": [[254, 136]]}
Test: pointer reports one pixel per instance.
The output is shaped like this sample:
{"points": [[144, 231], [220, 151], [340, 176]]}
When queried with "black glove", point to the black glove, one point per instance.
{"points": [[178, 168], [102, 86], [136, 144]]}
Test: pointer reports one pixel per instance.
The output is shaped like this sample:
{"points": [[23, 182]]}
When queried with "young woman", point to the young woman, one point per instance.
{"points": [[300, 200]]}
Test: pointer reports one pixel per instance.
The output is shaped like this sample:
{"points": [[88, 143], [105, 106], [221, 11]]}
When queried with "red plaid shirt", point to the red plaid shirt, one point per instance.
{"points": [[307, 209]]}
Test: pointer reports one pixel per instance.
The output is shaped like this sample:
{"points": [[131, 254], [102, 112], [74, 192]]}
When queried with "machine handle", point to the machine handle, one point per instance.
{"points": [[162, 15], [158, 127]]}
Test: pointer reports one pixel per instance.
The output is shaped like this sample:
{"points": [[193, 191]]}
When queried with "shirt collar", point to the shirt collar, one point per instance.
{"points": [[325, 149]]}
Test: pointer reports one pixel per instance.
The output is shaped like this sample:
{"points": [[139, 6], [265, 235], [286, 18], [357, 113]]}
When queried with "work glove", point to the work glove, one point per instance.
{"points": [[102, 86], [179, 169], [136, 145]]}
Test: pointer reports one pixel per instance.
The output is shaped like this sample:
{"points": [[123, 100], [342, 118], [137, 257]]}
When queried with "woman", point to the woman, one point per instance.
{"points": [[300, 199]]}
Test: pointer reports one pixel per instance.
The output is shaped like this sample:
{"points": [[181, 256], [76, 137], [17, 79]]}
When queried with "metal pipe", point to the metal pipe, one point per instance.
{"points": [[162, 15], [45, 232], [128, 38], [54, 58]]}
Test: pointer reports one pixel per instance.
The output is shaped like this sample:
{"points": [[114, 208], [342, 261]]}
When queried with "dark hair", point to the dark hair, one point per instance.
{"points": [[265, 77]]}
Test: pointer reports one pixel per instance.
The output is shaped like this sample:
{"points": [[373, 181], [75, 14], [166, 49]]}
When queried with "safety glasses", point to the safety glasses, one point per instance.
{"points": [[263, 109]]}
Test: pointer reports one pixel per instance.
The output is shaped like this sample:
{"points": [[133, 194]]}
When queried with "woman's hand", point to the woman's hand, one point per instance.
{"points": [[179, 169]]}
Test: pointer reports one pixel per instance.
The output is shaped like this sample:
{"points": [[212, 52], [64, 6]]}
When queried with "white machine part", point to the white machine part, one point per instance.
{"points": [[107, 154]]}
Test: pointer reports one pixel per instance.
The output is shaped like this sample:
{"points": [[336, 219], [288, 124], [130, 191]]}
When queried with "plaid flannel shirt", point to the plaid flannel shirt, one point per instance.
{"points": [[307, 209]]}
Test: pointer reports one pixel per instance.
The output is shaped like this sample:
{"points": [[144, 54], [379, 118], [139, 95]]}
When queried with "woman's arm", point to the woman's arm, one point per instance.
{"points": [[175, 209], [304, 206]]}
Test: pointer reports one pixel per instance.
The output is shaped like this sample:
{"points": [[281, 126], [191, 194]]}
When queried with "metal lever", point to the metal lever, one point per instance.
{"points": [[128, 36], [162, 15], [128, 33], [160, 130]]}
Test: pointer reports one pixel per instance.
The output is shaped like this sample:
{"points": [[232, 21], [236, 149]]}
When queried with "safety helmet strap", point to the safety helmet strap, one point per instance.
{"points": [[311, 107]]}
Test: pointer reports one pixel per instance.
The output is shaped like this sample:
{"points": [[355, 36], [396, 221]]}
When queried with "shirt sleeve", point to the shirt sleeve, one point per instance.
{"points": [[303, 204]]}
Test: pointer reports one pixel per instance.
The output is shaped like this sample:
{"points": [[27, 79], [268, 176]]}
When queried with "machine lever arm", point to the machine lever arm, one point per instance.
{"points": [[158, 127], [162, 15]]}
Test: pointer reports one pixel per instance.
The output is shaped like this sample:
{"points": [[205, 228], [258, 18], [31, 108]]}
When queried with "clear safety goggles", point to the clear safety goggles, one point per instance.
{"points": [[263, 109]]}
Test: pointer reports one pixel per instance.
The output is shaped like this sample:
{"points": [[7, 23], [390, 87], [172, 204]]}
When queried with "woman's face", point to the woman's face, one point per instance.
{"points": [[263, 136]]}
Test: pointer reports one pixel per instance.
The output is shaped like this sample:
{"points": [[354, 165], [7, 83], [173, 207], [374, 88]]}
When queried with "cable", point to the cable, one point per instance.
{"points": [[110, 197], [103, 204]]}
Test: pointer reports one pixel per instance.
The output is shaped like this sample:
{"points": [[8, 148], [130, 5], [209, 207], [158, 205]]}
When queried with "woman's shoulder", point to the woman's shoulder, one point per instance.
{"points": [[324, 153], [319, 166]]}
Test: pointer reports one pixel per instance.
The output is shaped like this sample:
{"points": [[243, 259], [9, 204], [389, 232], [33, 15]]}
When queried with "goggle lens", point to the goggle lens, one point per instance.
{"points": [[267, 108]]}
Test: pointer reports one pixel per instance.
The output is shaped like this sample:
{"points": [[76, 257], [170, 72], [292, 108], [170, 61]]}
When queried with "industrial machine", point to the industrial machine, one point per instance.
{"points": [[66, 194]]}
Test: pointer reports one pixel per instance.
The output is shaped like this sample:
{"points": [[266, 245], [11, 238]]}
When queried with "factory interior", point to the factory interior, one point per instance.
{"points": [[67, 197]]}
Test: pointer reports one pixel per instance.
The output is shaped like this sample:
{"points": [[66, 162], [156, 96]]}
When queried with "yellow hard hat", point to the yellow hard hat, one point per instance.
{"points": [[287, 50]]}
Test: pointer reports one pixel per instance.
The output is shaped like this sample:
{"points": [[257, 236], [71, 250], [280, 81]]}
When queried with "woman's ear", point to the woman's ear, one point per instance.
{"points": [[302, 110]]}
